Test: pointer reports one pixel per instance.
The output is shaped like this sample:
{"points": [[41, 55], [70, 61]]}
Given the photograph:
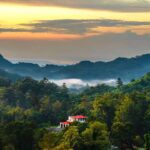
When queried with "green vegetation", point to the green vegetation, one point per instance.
{"points": [[118, 117]]}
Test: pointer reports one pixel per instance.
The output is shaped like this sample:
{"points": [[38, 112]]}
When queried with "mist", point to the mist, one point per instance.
{"points": [[78, 83]]}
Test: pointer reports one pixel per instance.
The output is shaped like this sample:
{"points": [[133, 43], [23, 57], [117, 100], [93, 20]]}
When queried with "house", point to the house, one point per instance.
{"points": [[71, 119], [64, 124]]}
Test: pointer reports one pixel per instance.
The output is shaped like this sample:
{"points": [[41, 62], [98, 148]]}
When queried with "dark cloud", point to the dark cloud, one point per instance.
{"points": [[80, 26], [12, 30], [114, 5], [73, 26]]}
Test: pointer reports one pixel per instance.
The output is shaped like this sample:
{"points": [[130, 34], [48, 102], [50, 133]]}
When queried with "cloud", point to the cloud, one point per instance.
{"points": [[12, 30], [113, 5], [80, 26], [78, 83], [74, 26]]}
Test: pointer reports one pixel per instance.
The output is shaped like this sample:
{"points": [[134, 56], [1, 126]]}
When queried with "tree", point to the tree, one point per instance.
{"points": [[71, 139], [9, 147], [17, 135], [119, 83], [82, 108], [104, 109], [122, 135], [96, 137], [64, 92], [129, 122], [147, 141], [49, 141]]}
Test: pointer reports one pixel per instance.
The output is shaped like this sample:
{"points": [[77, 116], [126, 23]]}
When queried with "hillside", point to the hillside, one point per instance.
{"points": [[10, 76], [126, 68], [31, 112], [138, 85]]}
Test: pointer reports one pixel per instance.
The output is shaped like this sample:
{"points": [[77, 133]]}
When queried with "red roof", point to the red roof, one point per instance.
{"points": [[66, 122], [79, 117]]}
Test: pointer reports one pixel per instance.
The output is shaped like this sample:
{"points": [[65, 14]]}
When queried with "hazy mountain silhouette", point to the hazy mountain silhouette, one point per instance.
{"points": [[7, 75], [126, 68]]}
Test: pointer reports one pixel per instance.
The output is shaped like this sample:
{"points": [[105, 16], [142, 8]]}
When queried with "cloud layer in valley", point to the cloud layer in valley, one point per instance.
{"points": [[78, 83]]}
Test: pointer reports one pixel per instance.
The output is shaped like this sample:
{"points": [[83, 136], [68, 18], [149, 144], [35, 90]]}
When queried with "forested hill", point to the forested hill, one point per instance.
{"points": [[138, 85], [126, 68], [117, 116]]}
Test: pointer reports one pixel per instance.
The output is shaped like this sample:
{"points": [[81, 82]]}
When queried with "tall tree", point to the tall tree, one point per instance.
{"points": [[119, 82], [96, 137]]}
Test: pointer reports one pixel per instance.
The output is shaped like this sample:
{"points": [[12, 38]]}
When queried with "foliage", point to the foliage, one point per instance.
{"points": [[117, 116], [96, 136]]}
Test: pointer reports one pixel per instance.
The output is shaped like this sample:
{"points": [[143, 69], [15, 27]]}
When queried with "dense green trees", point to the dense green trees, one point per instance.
{"points": [[104, 108], [130, 118], [93, 137], [147, 141], [71, 138], [96, 137], [17, 135], [117, 116], [49, 141]]}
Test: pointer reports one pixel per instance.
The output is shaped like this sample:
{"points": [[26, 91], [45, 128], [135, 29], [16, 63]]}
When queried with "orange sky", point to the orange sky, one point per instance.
{"points": [[14, 15]]}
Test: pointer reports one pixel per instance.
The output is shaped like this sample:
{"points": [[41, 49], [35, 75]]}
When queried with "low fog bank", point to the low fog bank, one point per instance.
{"points": [[78, 83]]}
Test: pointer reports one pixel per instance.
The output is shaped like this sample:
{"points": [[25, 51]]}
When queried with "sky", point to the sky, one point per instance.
{"points": [[69, 31]]}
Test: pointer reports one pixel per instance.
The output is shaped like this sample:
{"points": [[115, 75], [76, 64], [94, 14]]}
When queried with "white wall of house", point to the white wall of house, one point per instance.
{"points": [[71, 119]]}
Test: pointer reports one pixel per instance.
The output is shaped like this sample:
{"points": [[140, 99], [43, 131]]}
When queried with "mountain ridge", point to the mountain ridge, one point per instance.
{"points": [[126, 68], [10, 76]]}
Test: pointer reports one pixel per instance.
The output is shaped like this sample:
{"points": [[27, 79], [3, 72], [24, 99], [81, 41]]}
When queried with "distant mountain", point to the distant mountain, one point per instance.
{"points": [[4, 63], [126, 68]]}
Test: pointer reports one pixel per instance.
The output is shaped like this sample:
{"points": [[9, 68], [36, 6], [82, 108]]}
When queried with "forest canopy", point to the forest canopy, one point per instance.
{"points": [[118, 117]]}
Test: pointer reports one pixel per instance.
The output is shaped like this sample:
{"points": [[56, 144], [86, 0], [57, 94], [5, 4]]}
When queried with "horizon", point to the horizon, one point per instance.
{"points": [[43, 63]]}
